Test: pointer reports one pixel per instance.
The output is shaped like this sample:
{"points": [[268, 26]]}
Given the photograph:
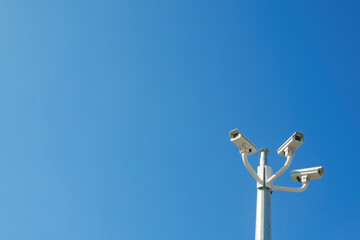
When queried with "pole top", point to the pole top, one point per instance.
{"points": [[264, 150]]}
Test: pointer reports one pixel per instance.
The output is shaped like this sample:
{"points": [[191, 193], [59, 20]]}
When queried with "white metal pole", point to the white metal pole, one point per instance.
{"points": [[263, 204]]}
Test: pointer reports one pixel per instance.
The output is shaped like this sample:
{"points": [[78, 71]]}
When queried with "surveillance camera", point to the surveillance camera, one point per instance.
{"points": [[242, 142], [295, 141], [310, 173]]}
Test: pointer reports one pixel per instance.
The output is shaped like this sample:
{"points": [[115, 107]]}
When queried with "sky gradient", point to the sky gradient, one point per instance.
{"points": [[115, 117]]}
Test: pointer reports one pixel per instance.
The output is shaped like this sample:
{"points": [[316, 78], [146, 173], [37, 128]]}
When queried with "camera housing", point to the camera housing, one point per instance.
{"points": [[242, 142], [310, 173], [295, 141]]}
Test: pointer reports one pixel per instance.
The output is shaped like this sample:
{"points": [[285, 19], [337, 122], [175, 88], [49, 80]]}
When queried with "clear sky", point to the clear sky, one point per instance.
{"points": [[115, 117]]}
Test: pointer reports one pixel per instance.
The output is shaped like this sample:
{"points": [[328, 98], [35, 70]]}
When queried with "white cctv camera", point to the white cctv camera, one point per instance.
{"points": [[242, 142], [308, 173], [289, 147]]}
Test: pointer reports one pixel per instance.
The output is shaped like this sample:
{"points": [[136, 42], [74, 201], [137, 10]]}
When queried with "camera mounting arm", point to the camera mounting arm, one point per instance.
{"points": [[305, 184], [289, 157], [291, 189], [288, 150], [250, 169]]}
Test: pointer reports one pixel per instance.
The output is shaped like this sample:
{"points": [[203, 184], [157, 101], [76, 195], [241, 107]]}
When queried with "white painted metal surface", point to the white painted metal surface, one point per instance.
{"points": [[265, 178], [281, 171], [290, 189], [311, 173], [250, 169], [263, 201]]}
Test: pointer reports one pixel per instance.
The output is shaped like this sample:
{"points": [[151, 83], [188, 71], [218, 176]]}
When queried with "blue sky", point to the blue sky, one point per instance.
{"points": [[115, 117]]}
